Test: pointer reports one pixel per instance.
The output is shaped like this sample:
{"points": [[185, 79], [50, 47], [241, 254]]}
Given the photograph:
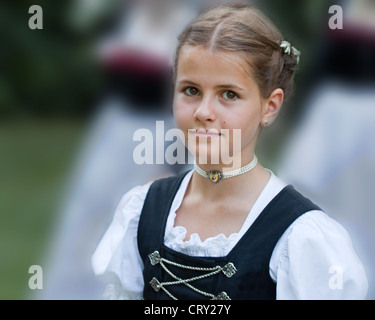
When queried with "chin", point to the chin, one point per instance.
{"points": [[213, 158], [203, 156]]}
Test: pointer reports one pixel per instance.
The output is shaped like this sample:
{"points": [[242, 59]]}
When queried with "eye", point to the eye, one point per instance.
{"points": [[229, 95], [191, 91]]}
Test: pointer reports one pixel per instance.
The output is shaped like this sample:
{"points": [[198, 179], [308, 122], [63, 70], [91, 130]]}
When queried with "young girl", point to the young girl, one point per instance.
{"points": [[227, 231]]}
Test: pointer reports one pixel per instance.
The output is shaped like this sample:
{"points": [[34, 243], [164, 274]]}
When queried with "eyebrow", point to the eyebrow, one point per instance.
{"points": [[226, 86]]}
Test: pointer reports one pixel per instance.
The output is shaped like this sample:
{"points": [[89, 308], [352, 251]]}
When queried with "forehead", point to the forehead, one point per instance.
{"points": [[200, 63]]}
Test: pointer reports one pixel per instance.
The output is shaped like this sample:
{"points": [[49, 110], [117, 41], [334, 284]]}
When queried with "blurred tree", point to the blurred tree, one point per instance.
{"points": [[45, 72]]}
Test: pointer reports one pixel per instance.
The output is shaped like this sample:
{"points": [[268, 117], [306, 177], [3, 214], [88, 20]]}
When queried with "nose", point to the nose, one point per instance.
{"points": [[206, 110]]}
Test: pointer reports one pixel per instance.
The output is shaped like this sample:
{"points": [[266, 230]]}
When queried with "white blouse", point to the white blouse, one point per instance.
{"points": [[314, 258]]}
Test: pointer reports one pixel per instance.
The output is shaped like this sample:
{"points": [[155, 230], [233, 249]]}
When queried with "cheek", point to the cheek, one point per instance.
{"points": [[248, 124], [183, 113], [245, 121]]}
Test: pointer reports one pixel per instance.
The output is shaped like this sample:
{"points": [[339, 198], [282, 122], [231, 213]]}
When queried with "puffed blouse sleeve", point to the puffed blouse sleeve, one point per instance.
{"points": [[316, 261], [116, 259]]}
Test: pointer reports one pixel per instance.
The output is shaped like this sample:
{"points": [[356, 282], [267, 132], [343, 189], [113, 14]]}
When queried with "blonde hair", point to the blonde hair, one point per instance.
{"points": [[243, 29]]}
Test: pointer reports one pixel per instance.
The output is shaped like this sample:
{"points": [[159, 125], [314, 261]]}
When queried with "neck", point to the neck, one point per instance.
{"points": [[235, 187], [235, 162], [216, 176]]}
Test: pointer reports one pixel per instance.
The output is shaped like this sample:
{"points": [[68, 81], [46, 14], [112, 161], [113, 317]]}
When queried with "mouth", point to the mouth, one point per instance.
{"points": [[205, 133]]}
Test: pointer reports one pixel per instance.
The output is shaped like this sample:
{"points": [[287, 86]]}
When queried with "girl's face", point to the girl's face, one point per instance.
{"points": [[214, 92]]}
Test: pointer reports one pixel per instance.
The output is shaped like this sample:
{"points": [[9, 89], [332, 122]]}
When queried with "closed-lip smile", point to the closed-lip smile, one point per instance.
{"points": [[206, 132]]}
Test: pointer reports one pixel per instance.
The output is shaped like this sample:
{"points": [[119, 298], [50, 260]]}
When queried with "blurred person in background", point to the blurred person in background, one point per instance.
{"points": [[331, 155], [137, 60]]}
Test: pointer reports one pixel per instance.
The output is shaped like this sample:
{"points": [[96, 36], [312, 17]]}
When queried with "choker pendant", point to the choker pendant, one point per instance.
{"points": [[215, 176]]}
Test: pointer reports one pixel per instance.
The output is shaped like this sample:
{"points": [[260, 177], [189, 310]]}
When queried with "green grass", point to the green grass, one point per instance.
{"points": [[35, 158]]}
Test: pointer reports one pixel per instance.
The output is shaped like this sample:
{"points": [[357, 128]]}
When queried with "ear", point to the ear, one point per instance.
{"points": [[272, 106]]}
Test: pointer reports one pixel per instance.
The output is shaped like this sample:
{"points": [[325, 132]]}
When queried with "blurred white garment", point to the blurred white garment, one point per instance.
{"points": [[331, 159], [105, 171], [106, 168]]}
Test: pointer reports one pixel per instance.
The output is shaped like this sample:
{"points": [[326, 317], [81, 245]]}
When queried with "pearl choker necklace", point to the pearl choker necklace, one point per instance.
{"points": [[215, 176]]}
